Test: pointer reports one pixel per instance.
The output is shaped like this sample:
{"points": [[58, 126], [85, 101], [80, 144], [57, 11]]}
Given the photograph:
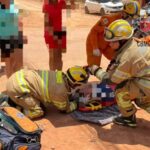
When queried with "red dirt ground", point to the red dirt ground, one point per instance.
{"points": [[61, 131]]}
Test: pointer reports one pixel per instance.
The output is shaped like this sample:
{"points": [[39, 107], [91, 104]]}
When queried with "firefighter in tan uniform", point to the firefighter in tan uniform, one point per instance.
{"points": [[96, 46], [129, 70], [29, 88]]}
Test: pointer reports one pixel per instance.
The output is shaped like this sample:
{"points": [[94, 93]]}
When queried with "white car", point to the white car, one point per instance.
{"points": [[103, 6]]}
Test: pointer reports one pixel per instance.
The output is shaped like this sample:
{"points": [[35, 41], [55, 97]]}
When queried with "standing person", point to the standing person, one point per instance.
{"points": [[129, 70], [96, 46], [29, 88], [11, 37], [55, 35]]}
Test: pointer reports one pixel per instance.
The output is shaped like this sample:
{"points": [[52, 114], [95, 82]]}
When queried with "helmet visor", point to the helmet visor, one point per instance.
{"points": [[108, 34]]}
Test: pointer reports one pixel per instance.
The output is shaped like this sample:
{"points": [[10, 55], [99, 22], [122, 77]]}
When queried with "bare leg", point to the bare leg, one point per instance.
{"points": [[8, 68], [55, 59], [51, 60], [14, 62], [58, 59]]}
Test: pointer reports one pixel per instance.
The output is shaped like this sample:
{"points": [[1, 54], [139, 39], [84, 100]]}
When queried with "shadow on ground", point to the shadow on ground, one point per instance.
{"points": [[124, 135], [59, 119]]}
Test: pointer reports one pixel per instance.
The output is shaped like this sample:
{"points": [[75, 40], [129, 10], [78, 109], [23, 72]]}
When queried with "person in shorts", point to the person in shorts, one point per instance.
{"points": [[11, 37]]}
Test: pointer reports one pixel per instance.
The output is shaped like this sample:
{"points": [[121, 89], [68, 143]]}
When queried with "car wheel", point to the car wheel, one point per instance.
{"points": [[86, 10], [102, 11]]}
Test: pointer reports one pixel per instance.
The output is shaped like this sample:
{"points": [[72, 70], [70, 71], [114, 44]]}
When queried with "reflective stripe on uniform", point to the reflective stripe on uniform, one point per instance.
{"points": [[73, 106], [45, 85], [100, 74], [92, 106], [143, 72], [143, 78], [144, 83], [60, 105], [120, 75], [123, 100], [59, 77], [22, 82]]}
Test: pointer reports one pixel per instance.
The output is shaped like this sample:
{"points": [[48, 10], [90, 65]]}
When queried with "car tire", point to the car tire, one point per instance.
{"points": [[102, 12], [86, 10]]}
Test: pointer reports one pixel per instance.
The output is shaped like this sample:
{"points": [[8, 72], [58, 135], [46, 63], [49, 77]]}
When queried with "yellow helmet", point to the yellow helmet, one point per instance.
{"points": [[77, 75], [118, 30], [132, 8]]}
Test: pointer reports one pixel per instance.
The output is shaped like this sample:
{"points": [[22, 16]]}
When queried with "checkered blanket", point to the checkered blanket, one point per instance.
{"points": [[105, 95], [95, 91]]}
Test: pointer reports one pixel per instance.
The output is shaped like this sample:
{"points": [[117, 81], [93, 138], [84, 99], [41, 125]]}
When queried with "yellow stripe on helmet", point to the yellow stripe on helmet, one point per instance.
{"points": [[120, 29]]}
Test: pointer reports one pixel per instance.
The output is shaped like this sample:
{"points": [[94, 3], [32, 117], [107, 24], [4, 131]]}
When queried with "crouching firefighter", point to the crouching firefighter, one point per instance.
{"points": [[30, 88], [129, 70]]}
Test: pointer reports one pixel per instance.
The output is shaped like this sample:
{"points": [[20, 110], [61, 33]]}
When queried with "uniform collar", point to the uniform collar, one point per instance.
{"points": [[124, 47]]}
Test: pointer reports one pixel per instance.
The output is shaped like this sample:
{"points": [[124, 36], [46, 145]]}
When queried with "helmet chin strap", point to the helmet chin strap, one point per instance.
{"points": [[122, 42], [127, 16], [70, 84]]}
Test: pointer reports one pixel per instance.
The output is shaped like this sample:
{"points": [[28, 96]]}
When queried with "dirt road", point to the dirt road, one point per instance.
{"points": [[60, 131]]}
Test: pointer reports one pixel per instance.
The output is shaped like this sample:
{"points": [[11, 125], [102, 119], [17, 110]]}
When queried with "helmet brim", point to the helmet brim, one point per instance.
{"points": [[119, 38]]}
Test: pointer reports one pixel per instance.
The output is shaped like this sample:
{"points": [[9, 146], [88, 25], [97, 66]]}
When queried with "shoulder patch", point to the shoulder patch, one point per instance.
{"points": [[105, 21]]}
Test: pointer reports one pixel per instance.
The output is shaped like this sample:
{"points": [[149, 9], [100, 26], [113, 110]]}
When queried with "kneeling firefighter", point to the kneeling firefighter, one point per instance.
{"points": [[29, 88], [129, 70]]}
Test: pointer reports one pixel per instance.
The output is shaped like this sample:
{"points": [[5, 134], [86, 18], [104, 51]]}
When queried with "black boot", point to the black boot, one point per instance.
{"points": [[126, 121]]}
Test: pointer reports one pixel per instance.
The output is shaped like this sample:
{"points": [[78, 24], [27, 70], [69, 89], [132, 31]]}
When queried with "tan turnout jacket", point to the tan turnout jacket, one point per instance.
{"points": [[132, 63], [46, 86]]}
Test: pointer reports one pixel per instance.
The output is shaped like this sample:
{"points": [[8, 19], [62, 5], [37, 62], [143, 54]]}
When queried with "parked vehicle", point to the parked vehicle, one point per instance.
{"points": [[103, 6]]}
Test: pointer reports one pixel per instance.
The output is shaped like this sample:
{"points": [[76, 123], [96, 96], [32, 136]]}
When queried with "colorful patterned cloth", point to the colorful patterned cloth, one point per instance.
{"points": [[95, 91]]}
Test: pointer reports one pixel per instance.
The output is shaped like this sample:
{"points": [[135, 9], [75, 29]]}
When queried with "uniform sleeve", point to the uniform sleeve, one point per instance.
{"points": [[122, 72], [66, 107], [63, 104], [71, 106], [99, 27], [96, 29], [109, 53]]}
